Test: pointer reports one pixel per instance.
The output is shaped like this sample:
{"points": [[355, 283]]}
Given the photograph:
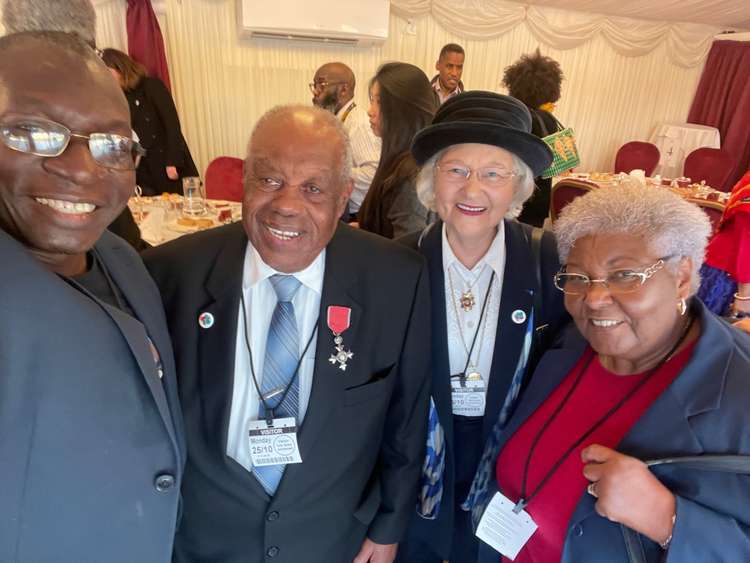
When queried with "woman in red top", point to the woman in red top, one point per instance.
{"points": [[725, 287], [647, 375]]}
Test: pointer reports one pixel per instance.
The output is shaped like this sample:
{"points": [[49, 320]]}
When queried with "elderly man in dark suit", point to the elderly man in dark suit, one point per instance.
{"points": [[302, 346], [91, 452]]}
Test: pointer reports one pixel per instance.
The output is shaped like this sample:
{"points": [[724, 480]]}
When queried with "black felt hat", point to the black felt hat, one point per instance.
{"points": [[487, 118]]}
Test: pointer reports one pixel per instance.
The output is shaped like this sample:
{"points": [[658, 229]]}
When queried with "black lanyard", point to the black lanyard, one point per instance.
{"points": [[462, 375], [269, 410], [524, 500]]}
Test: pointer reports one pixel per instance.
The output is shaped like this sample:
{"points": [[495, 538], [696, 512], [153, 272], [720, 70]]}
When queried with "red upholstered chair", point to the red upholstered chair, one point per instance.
{"points": [[224, 178], [637, 155], [564, 192], [712, 166]]}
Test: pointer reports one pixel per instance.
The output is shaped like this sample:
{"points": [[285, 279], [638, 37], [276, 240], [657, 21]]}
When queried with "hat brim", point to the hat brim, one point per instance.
{"points": [[434, 138]]}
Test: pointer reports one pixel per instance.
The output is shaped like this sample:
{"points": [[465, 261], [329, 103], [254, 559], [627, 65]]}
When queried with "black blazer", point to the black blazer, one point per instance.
{"points": [[363, 436], [91, 445], [519, 287], [154, 119]]}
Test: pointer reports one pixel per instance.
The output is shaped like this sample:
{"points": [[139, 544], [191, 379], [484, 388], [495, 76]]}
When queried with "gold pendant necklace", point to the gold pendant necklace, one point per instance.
{"points": [[467, 300]]}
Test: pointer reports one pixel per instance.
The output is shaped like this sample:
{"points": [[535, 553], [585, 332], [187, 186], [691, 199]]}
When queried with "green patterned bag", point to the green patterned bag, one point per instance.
{"points": [[562, 143], [564, 150]]}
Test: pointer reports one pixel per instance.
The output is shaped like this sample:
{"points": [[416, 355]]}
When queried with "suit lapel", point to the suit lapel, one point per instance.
{"points": [[329, 382], [432, 248], [517, 295], [217, 344], [144, 304]]}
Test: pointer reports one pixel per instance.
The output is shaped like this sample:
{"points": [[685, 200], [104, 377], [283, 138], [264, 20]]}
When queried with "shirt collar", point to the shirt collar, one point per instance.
{"points": [[255, 270], [343, 109], [494, 257]]}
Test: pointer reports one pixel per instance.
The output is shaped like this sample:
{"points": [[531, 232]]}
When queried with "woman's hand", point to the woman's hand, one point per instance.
{"points": [[172, 173], [628, 493]]}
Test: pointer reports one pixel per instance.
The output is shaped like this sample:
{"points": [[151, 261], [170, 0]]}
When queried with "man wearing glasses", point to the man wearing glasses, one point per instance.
{"points": [[333, 90], [92, 452]]}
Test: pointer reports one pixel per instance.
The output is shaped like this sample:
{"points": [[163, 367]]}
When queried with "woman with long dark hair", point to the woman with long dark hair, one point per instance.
{"points": [[401, 103], [154, 119]]}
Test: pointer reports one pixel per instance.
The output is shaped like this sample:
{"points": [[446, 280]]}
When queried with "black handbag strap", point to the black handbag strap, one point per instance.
{"points": [[536, 256], [739, 464]]}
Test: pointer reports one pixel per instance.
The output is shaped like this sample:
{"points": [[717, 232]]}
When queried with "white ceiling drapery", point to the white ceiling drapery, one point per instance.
{"points": [[687, 43]]}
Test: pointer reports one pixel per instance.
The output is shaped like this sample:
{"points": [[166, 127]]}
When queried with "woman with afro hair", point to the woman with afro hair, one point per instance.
{"points": [[535, 80]]}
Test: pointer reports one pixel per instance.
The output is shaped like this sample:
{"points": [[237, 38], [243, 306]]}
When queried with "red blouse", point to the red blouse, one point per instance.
{"points": [[597, 392], [729, 249]]}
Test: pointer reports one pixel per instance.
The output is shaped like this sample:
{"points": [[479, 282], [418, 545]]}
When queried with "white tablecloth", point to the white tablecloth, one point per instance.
{"points": [[677, 140], [161, 220]]}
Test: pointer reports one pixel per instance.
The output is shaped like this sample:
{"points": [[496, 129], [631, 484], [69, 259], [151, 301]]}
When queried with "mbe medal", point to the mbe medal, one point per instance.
{"points": [[339, 319]]}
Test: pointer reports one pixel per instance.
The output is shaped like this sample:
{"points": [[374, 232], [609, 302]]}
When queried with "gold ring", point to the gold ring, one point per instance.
{"points": [[591, 489]]}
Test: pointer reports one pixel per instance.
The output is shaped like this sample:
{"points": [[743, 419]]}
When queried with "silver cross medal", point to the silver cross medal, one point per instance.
{"points": [[341, 355]]}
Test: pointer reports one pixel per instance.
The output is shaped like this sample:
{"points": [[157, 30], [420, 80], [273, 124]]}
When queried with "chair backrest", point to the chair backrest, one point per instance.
{"points": [[565, 191], [224, 178], [712, 166], [637, 155], [713, 209]]}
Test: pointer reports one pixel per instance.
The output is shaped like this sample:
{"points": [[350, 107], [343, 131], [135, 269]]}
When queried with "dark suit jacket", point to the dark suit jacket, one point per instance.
{"points": [[519, 286], [704, 411], [87, 429], [363, 436], [154, 119]]}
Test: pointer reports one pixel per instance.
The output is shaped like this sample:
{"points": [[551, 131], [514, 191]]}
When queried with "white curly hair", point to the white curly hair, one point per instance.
{"points": [[670, 225]]}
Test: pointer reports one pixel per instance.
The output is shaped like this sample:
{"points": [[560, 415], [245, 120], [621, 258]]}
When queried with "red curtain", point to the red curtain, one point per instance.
{"points": [[145, 41], [723, 101]]}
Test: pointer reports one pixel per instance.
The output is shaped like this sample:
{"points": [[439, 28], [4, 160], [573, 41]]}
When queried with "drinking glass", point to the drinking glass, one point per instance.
{"points": [[195, 196]]}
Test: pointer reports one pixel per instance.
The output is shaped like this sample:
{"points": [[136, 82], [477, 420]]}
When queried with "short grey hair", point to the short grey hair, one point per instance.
{"points": [[328, 120], [70, 16], [670, 225], [523, 184]]}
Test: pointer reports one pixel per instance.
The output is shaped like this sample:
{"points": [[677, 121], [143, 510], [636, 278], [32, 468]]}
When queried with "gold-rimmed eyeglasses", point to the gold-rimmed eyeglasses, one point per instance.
{"points": [[617, 282], [316, 87]]}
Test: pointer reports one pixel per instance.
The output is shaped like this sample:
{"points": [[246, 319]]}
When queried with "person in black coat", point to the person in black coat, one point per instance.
{"points": [[92, 450], [494, 305], [535, 80], [155, 121]]}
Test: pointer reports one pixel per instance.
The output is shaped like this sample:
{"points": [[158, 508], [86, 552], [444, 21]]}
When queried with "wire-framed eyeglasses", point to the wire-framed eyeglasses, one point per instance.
{"points": [[617, 282], [488, 175], [316, 87], [48, 139]]}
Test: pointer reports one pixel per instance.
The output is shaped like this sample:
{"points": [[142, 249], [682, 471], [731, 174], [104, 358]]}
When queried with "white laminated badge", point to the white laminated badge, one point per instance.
{"points": [[274, 445], [504, 530], [468, 399]]}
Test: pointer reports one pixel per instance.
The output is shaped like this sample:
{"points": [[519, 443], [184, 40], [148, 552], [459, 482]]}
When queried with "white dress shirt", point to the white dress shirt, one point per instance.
{"points": [[462, 277], [365, 152], [260, 302]]}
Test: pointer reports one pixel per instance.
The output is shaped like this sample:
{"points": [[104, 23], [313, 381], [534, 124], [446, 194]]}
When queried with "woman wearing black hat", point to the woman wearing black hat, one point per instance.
{"points": [[401, 103], [493, 300]]}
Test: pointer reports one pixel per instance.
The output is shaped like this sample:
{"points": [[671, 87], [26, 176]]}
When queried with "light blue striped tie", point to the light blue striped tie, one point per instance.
{"points": [[279, 366]]}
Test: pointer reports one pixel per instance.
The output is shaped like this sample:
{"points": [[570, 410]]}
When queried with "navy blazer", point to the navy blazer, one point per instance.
{"points": [[91, 445], [519, 287], [704, 411]]}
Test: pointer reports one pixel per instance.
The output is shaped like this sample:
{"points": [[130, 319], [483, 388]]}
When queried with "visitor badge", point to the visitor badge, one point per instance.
{"points": [[504, 529], [274, 444], [468, 395]]}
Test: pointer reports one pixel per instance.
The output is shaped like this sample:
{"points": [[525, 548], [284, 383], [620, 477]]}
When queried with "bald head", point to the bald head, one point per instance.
{"points": [[322, 125], [70, 16], [334, 86], [54, 54]]}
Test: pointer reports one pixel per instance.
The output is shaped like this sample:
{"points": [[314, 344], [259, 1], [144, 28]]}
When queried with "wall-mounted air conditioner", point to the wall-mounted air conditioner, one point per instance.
{"points": [[348, 22]]}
